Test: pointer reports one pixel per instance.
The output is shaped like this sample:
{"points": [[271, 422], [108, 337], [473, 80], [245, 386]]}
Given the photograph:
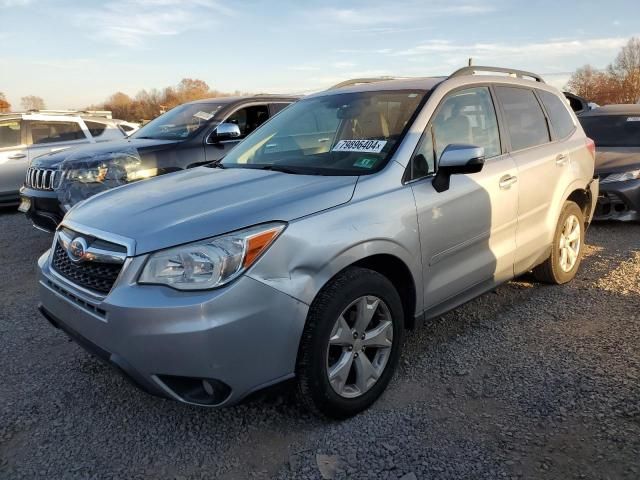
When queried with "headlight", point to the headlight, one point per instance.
{"points": [[622, 177], [210, 263], [118, 173]]}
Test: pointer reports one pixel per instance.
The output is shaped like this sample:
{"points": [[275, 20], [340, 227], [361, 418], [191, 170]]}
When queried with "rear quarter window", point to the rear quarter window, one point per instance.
{"points": [[95, 128], [561, 120]]}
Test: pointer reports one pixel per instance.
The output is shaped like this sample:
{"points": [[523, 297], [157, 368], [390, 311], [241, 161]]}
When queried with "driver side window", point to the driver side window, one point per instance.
{"points": [[465, 117], [468, 117], [249, 118]]}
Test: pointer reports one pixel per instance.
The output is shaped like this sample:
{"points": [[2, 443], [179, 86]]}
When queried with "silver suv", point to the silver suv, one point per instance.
{"points": [[313, 246], [25, 136]]}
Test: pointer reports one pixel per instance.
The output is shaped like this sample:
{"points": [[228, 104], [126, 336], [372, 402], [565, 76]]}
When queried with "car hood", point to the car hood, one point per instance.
{"points": [[616, 159], [55, 159], [203, 202]]}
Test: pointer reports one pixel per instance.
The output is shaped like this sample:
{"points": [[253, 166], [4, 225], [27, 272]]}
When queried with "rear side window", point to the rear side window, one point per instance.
{"points": [[10, 133], [52, 132], [613, 130], [525, 121], [561, 120], [95, 128]]}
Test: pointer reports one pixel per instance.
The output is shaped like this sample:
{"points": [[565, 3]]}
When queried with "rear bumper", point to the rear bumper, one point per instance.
{"points": [[45, 211], [619, 201]]}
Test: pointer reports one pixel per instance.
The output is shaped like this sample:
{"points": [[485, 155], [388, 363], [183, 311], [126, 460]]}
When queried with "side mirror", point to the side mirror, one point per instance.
{"points": [[457, 159], [225, 131]]}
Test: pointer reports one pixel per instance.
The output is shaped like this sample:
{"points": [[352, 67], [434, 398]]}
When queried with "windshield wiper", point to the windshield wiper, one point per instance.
{"points": [[215, 164], [280, 168]]}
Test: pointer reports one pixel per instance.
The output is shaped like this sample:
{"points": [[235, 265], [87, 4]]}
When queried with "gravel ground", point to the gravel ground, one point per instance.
{"points": [[529, 381]]}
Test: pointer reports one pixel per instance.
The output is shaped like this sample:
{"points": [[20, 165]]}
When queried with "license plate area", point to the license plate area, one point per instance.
{"points": [[25, 204]]}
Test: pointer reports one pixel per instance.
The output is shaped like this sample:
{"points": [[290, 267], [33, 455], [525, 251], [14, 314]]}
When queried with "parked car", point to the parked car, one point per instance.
{"points": [[616, 131], [579, 104], [25, 136], [311, 248], [189, 135]]}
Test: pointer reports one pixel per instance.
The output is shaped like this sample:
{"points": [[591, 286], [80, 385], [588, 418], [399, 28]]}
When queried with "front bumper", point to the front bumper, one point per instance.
{"points": [[45, 211], [619, 201], [238, 339]]}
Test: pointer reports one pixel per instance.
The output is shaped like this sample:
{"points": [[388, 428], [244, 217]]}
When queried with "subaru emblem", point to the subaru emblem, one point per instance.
{"points": [[77, 249]]}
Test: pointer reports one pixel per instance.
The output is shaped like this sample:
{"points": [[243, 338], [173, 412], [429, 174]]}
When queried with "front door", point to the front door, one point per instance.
{"points": [[467, 233]]}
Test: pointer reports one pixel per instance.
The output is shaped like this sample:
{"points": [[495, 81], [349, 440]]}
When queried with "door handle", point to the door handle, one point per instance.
{"points": [[16, 156], [507, 181], [562, 159]]}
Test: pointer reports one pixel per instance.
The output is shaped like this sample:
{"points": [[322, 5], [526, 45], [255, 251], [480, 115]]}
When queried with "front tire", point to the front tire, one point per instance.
{"points": [[351, 343], [566, 251]]}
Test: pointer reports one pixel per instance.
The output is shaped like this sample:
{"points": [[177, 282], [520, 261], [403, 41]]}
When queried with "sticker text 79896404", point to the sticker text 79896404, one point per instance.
{"points": [[364, 146]]}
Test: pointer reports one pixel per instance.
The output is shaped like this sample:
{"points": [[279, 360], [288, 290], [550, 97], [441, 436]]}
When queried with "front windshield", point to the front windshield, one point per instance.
{"points": [[613, 130], [336, 134], [179, 122]]}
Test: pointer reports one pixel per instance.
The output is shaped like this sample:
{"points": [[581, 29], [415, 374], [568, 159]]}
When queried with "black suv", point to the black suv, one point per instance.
{"points": [[189, 135]]}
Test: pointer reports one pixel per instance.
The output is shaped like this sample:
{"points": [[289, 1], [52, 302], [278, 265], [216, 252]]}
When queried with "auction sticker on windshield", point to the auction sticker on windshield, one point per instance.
{"points": [[364, 146], [203, 115]]}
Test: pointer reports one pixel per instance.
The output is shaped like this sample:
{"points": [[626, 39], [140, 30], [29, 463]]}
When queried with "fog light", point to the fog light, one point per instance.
{"points": [[203, 391]]}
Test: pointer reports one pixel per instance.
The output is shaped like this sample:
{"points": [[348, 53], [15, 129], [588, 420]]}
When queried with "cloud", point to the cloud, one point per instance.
{"points": [[380, 17], [489, 51], [304, 68], [14, 3], [133, 22]]}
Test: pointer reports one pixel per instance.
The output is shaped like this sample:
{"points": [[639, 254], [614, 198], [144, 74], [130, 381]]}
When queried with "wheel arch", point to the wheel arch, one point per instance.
{"points": [[400, 276], [583, 197]]}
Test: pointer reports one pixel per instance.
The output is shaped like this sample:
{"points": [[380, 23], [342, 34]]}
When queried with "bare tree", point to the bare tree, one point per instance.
{"points": [[5, 106], [31, 102], [585, 82], [626, 67], [618, 83], [148, 104]]}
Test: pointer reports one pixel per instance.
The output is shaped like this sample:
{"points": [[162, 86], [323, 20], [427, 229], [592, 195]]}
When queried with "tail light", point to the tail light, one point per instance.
{"points": [[591, 146]]}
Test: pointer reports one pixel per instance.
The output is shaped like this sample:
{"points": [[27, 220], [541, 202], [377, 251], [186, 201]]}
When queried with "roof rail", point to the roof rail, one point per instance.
{"points": [[360, 81], [92, 113], [510, 71]]}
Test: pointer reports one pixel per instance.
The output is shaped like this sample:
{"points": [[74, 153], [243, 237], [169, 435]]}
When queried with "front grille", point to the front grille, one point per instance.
{"points": [[95, 276], [42, 178]]}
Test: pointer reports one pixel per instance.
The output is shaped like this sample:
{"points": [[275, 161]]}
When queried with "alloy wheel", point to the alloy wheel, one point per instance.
{"points": [[570, 243], [359, 346]]}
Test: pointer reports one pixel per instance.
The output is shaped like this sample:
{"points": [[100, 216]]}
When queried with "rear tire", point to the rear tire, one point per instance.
{"points": [[351, 343], [566, 250]]}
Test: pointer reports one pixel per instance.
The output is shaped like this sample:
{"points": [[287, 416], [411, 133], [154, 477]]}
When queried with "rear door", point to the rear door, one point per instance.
{"points": [[46, 136], [13, 156], [540, 166], [467, 233]]}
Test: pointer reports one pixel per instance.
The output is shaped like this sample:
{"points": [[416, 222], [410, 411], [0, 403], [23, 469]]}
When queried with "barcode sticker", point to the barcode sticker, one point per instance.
{"points": [[364, 146]]}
